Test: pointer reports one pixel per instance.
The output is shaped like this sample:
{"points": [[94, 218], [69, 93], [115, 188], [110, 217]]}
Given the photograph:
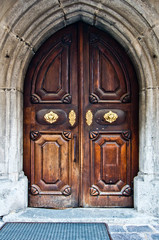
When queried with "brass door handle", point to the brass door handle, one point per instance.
{"points": [[110, 117], [51, 117]]}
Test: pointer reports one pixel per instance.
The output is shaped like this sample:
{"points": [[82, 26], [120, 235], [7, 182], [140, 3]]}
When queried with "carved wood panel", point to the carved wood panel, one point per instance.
{"points": [[110, 159], [111, 95], [51, 163], [51, 79], [109, 81], [80, 121], [50, 95]]}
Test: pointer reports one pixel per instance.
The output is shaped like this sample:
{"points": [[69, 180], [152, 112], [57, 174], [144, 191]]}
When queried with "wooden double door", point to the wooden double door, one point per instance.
{"points": [[80, 121]]}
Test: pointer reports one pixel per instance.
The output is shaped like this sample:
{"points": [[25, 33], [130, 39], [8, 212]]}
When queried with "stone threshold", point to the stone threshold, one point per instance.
{"points": [[119, 216]]}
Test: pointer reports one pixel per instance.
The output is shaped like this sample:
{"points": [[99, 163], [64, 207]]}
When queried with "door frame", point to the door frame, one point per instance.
{"points": [[140, 50]]}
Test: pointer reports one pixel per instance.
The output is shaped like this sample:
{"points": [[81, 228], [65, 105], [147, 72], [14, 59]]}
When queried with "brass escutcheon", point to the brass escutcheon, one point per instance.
{"points": [[72, 117], [89, 117], [51, 117], [110, 117]]}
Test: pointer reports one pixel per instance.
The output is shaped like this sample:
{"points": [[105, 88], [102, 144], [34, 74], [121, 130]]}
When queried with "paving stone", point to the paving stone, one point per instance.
{"points": [[116, 228], [146, 236], [155, 236], [156, 227], [34, 20], [1, 224], [139, 229], [125, 236]]}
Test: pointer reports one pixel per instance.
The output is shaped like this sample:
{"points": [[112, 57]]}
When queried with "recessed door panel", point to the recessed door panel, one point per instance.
{"points": [[110, 158], [50, 161], [108, 76], [52, 78]]}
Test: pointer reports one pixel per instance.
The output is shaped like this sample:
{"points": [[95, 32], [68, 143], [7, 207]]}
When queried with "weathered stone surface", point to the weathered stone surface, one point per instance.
{"points": [[116, 228], [146, 190], [139, 229], [156, 227], [13, 195], [126, 236], [109, 216], [25, 25], [155, 236], [3, 163]]}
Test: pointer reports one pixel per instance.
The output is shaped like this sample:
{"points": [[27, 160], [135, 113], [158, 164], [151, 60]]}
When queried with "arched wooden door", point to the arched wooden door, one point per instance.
{"points": [[80, 121]]}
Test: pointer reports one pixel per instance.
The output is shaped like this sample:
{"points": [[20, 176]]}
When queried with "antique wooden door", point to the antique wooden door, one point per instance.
{"points": [[80, 121]]}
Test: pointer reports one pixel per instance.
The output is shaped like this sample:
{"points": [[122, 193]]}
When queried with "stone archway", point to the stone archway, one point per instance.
{"points": [[24, 27]]}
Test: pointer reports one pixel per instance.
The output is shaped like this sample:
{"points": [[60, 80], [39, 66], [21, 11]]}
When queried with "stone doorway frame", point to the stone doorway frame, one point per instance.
{"points": [[24, 27]]}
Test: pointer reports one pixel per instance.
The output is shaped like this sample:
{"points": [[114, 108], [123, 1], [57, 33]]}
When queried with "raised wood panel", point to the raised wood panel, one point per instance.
{"points": [[109, 81], [50, 163], [110, 158], [110, 152], [51, 78], [53, 72]]}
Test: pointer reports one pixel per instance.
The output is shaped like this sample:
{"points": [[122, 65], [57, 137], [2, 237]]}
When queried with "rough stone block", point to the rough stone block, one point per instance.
{"points": [[146, 194], [13, 195], [135, 24]]}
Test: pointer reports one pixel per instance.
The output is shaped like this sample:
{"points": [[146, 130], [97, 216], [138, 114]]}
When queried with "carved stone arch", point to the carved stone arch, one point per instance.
{"points": [[23, 30]]}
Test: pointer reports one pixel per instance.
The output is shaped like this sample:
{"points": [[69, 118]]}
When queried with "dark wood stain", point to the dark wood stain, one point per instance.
{"points": [[83, 69]]}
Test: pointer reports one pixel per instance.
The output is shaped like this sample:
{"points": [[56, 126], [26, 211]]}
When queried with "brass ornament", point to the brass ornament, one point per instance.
{"points": [[51, 117], [110, 117], [72, 117], [89, 117]]}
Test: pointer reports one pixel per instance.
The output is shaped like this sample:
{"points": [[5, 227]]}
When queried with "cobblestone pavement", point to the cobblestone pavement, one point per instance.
{"points": [[134, 232], [123, 224]]}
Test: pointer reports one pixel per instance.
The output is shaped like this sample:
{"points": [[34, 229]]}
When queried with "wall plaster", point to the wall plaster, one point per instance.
{"points": [[24, 26]]}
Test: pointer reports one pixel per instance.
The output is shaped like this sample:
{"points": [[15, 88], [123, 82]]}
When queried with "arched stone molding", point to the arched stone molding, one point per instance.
{"points": [[25, 25]]}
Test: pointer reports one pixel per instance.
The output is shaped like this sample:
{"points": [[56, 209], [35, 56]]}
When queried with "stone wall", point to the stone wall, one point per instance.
{"points": [[24, 26]]}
